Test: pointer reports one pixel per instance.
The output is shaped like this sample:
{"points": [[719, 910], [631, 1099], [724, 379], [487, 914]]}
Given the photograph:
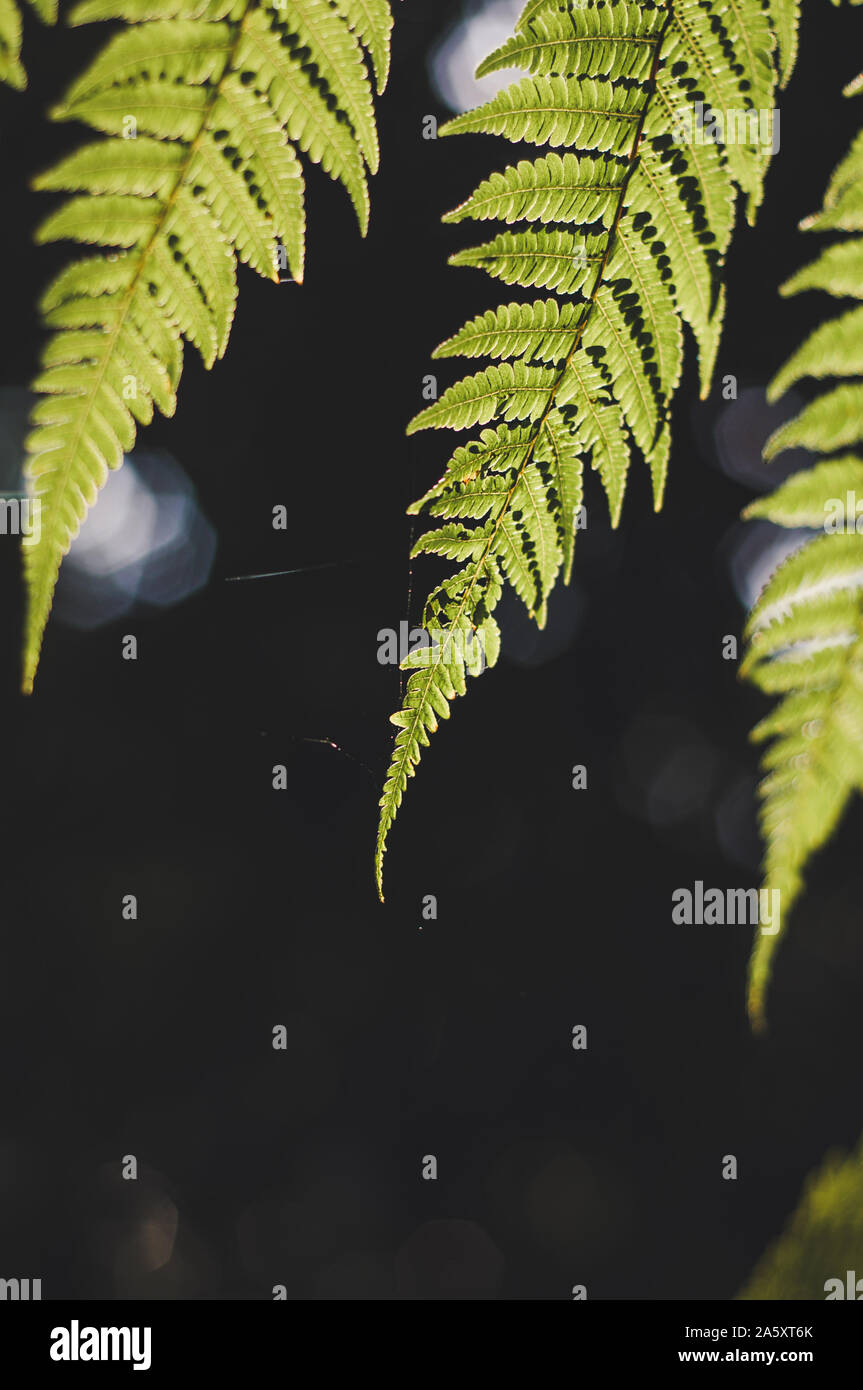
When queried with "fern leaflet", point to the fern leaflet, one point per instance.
{"points": [[805, 631], [215, 99], [11, 68], [628, 226]]}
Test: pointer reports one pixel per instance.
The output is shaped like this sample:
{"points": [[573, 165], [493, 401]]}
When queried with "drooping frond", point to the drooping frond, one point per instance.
{"points": [[206, 107], [655, 113], [813, 1257], [11, 67], [805, 631]]}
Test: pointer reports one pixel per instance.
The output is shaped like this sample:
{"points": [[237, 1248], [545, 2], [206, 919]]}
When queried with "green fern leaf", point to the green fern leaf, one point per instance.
{"points": [[11, 69], [838, 270], [515, 392], [559, 453], [656, 328], [340, 63], [747, 26], [739, 28], [302, 110], [452, 543], [831, 421], [607, 337], [478, 498], [542, 330], [212, 101], [785, 20], [591, 412], [548, 260], [552, 189], [594, 115], [462, 610], [530, 507], [372, 22], [843, 201], [654, 204], [799, 501], [834, 349], [805, 632], [497, 450], [532, 10], [627, 227], [614, 40]]}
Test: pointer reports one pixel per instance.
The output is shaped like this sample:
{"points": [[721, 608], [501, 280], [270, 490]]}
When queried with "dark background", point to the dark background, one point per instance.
{"points": [[258, 907]]}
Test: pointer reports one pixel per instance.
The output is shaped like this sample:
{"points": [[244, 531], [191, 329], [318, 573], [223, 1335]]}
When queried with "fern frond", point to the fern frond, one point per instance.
{"points": [[206, 106], [628, 228], [805, 631], [11, 68]]}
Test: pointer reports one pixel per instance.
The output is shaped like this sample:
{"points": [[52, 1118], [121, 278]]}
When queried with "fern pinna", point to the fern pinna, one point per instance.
{"points": [[628, 227], [11, 68], [805, 631], [205, 104]]}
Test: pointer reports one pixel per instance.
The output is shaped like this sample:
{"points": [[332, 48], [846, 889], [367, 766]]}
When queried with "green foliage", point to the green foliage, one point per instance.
{"points": [[805, 632], [823, 1239], [628, 226], [219, 98], [11, 69]]}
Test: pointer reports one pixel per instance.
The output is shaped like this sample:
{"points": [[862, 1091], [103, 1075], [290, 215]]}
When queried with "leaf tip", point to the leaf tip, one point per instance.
{"points": [[28, 674], [757, 1015]]}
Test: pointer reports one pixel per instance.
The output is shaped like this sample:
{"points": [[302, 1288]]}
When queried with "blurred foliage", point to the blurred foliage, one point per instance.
{"points": [[804, 631], [823, 1240]]}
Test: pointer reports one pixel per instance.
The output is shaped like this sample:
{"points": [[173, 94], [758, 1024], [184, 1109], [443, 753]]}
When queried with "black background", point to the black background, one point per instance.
{"points": [[258, 907]]}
